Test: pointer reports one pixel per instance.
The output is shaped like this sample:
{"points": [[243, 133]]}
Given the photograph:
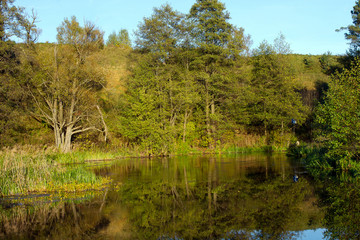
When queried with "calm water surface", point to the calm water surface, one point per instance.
{"points": [[207, 197]]}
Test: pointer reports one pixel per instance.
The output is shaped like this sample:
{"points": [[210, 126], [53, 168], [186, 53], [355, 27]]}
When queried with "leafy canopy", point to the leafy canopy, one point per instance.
{"points": [[121, 39], [339, 116]]}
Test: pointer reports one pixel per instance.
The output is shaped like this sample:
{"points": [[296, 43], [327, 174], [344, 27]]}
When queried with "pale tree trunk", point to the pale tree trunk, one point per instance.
{"points": [[103, 122], [173, 109], [207, 109], [212, 122], [186, 116], [55, 123], [70, 124], [67, 140]]}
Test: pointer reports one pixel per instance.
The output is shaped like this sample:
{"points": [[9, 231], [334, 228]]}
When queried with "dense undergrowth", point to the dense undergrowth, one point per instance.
{"points": [[320, 164]]}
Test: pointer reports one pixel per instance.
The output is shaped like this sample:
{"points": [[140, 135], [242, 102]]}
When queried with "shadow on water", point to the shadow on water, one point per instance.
{"points": [[206, 197]]}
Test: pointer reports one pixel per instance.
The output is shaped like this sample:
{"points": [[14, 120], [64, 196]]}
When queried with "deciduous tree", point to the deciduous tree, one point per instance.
{"points": [[121, 39], [13, 98], [66, 84], [339, 117], [160, 33]]}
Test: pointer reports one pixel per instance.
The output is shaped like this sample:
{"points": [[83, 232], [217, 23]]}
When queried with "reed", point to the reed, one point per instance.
{"points": [[24, 174]]}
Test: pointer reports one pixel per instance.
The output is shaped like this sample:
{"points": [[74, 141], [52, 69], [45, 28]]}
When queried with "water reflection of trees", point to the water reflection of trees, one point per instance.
{"points": [[190, 205], [191, 198], [342, 218], [60, 220]]}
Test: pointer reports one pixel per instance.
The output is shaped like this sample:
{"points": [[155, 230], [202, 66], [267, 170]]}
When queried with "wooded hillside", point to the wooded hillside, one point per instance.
{"points": [[190, 81]]}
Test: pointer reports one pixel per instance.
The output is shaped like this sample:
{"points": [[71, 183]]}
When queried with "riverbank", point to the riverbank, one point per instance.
{"points": [[23, 174], [318, 162], [31, 169]]}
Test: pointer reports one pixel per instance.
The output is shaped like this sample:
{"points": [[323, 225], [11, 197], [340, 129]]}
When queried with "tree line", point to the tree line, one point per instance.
{"points": [[194, 82]]}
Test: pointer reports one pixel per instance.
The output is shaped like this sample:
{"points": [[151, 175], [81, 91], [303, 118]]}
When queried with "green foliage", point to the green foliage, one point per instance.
{"points": [[275, 101], [341, 219], [65, 81], [13, 99], [156, 103], [339, 116], [84, 40], [329, 64], [190, 79], [353, 33], [212, 30], [314, 159], [160, 33], [218, 45], [10, 20], [121, 39]]}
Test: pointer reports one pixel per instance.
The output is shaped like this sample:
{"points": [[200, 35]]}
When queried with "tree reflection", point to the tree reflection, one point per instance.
{"points": [[70, 219], [190, 198], [342, 218], [245, 208]]}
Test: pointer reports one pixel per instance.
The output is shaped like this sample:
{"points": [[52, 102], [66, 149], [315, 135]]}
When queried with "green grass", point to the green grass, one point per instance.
{"points": [[254, 149], [23, 174], [81, 156]]}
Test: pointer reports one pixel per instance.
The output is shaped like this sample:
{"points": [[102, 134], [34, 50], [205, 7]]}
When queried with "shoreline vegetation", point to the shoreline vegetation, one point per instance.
{"points": [[27, 170], [39, 172], [321, 165]]}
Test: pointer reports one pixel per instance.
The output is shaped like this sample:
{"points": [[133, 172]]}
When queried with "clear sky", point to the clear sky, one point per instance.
{"points": [[308, 25]]}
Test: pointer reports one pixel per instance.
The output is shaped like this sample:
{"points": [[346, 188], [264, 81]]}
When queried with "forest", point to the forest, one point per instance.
{"points": [[187, 83]]}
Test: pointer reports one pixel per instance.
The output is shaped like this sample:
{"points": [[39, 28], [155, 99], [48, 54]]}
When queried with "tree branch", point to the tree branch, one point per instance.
{"points": [[85, 129]]}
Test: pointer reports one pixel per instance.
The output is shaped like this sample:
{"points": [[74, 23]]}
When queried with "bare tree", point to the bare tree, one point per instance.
{"points": [[67, 83], [30, 32]]}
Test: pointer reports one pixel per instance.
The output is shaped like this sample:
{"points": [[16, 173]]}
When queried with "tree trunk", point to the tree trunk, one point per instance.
{"points": [[212, 113], [184, 128], [103, 122], [207, 110], [186, 115], [68, 136]]}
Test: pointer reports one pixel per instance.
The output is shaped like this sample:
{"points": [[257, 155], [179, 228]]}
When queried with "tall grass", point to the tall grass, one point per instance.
{"points": [[19, 174], [23, 173]]}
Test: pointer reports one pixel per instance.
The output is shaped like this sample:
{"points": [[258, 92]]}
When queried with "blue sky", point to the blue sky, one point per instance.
{"points": [[308, 25]]}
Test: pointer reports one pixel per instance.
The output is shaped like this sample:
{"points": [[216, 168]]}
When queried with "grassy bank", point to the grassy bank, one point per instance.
{"points": [[38, 173], [109, 153], [97, 154]]}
